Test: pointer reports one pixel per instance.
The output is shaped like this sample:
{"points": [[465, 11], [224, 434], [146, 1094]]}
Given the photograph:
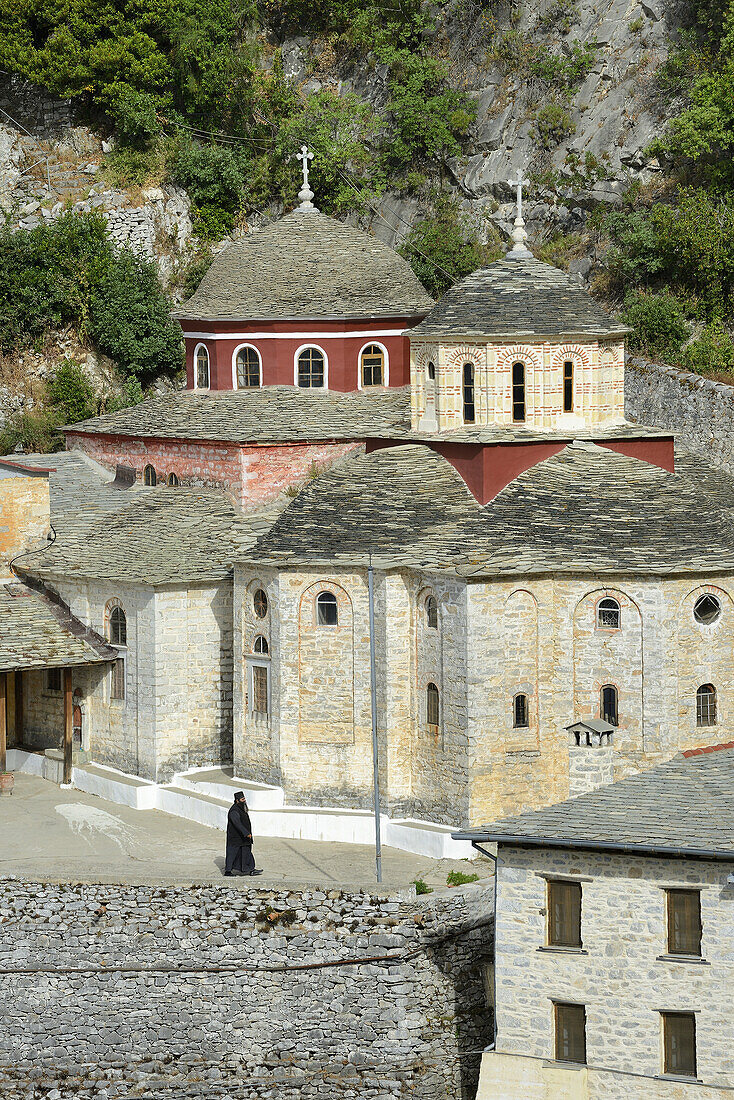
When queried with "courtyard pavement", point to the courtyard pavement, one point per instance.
{"points": [[49, 833]]}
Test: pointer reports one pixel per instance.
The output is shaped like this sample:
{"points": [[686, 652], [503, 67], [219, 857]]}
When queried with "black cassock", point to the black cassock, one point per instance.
{"points": [[239, 840]]}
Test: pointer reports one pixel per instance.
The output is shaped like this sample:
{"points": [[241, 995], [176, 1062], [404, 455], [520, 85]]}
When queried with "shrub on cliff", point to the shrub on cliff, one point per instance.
{"points": [[443, 248], [658, 324]]}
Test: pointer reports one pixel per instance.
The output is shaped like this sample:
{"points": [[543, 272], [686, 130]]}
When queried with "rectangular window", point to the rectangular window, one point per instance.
{"points": [[570, 1027], [679, 1043], [564, 914], [518, 392], [568, 387], [117, 685], [684, 922], [259, 689], [53, 679]]}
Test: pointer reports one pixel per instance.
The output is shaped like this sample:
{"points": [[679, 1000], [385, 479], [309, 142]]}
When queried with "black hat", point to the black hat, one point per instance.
{"points": [[238, 794]]}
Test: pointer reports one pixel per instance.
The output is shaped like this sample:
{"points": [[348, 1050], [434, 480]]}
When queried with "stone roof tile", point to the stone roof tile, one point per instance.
{"points": [[37, 632]]}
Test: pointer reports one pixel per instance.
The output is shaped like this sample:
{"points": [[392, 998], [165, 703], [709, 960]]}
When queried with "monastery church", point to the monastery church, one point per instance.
{"points": [[186, 585]]}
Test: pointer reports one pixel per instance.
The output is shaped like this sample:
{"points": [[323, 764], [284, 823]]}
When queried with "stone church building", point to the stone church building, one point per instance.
{"points": [[540, 563]]}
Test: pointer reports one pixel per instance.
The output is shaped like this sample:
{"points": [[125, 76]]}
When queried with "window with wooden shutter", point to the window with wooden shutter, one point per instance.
{"points": [[564, 914], [570, 1029], [684, 922], [679, 1043], [259, 689], [117, 686], [433, 706]]}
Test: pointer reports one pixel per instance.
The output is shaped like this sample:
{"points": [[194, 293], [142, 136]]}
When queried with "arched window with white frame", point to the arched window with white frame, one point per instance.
{"points": [[311, 368], [373, 366], [246, 368], [202, 371], [259, 678]]}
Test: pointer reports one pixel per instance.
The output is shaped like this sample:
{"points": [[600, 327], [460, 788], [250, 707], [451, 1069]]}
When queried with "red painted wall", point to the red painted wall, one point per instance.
{"points": [[277, 355]]}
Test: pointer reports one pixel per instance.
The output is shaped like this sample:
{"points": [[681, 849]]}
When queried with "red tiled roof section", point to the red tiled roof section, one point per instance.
{"points": [[708, 748]]}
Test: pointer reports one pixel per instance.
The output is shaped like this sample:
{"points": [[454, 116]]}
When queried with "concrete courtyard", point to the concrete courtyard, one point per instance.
{"points": [[50, 833]]}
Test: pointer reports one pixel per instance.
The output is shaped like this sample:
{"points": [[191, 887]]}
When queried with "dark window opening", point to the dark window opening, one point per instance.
{"points": [[118, 626], [468, 391], [679, 1043], [518, 392], [433, 706], [149, 476], [173, 480], [432, 612], [327, 608], [373, 364], [609, 614], [609, 705], [311, 369], [261, 646], [706, 609], [521, 715], [706, 705], [564, 914], [53, 679], [684, 922], [202, 369], [570, 1028], [568, 386], [432, 372], [248, 369], [260, 603]]}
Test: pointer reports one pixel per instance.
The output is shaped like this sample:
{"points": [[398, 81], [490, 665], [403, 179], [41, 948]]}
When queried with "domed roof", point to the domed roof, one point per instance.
{"points": [[307, 266], [517, 297]]}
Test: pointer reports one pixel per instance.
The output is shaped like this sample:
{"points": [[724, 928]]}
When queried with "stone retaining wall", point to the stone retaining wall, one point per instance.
{"points": [[121, 991], [698, 410]]}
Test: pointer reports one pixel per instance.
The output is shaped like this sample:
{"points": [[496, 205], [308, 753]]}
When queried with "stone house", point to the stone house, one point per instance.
{"points": [[613, 973]]}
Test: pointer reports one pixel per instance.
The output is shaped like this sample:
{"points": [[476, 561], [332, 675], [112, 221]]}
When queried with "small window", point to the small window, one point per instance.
{"points": [[570, 1028], [173, 480], [706, 705], [327, 609], [202, 368], [564, 914], [608, 614], [260, 603], [706, 609], [117, 685], [311, 369], [521, 712], [259, 689], [149, 476], [53, 679], [433, 706], [679, 1043], [261, 646], [118, 626], [608, 709], [684, 922], [468, 393], [373, 365], [432, 613], [247, 367], [431, 372], [568, 386], [518, 392]]}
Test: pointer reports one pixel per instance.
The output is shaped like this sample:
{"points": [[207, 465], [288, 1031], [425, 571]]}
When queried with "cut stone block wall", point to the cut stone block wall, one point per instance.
{"points": [[24, 516], [201, 990]]}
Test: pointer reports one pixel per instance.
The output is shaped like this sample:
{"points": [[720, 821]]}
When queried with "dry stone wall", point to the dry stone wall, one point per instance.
{"points": [[121, 991]]}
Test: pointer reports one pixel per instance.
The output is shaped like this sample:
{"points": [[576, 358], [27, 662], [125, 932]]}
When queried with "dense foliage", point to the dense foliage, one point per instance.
{"points": [[443, 248]]}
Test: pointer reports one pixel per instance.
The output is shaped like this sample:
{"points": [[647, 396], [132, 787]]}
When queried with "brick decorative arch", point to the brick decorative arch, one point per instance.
{"points": [[525, 353], [571, 351], [468, 353]]}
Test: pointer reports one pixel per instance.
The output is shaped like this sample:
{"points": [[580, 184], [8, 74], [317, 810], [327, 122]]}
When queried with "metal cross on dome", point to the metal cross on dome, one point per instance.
{"points": [[519, 236], [305, 194]]}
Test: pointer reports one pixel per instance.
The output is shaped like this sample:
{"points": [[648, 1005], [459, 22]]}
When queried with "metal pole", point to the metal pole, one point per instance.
{"points": [[373, 693]]}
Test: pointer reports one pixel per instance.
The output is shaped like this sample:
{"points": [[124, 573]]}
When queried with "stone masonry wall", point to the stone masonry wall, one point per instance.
{"points": [[189, 991], [621, 975], [699, 410], [24, 516]]}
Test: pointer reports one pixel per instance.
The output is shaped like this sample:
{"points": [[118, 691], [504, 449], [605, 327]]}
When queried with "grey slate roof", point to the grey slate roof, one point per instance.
{"points": [[307, 266], [269, 415], [36, 632], [587, 509], [685, 804], [516, 298]]}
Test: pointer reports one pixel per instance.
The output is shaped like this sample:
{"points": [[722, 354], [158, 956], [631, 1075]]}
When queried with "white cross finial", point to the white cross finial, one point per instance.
{"points": [[305, 194], [519, 236]]}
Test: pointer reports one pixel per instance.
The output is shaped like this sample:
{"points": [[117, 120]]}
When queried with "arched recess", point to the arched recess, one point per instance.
{"points": [[610, 656], [520, 657], [704, 654], [326, 669]]}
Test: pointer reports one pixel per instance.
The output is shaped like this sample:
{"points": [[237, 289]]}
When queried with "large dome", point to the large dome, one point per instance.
{"points": [[307, 266]]}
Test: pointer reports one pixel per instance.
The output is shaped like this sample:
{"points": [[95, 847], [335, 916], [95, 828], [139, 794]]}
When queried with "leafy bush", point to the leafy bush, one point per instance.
{"points": [[458, 878], [559, 15], [35, 431], [70, 394], [658, 324], [710, 353], [132, 394], [421, 887], [214, 177], [443, 248], [564, 72], [553, 124]]}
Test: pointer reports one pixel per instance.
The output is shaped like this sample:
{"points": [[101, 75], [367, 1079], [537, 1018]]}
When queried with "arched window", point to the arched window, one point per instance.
{"points": [[173, 479], [117, 626], [247, 369], [706, 705], [327, 609], [608, 614], [431, 372], [117, 635], [311, 368], [432, 613], [518, 392], [261, 646], [608, 704], [433, 706], [468, 393], [568, 386], [201, 367], [706, 609], [372, 365], [520, 712], [260, 603], [149, 476]]}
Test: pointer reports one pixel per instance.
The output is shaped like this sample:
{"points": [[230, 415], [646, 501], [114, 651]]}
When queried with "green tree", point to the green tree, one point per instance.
{"points": [[658, 324], [70, 394], [443, 248]]}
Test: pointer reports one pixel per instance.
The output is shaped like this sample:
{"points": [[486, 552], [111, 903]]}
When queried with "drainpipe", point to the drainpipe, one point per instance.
{"points": [[373, 694], [495, 860]]}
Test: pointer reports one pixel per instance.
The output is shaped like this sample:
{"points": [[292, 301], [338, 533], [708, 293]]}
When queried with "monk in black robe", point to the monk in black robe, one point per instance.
{"points": [[239, 839]]}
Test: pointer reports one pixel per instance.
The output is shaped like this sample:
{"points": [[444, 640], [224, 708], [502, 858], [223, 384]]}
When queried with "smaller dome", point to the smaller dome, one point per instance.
{"points": [[307, 266], [517, 297]]}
